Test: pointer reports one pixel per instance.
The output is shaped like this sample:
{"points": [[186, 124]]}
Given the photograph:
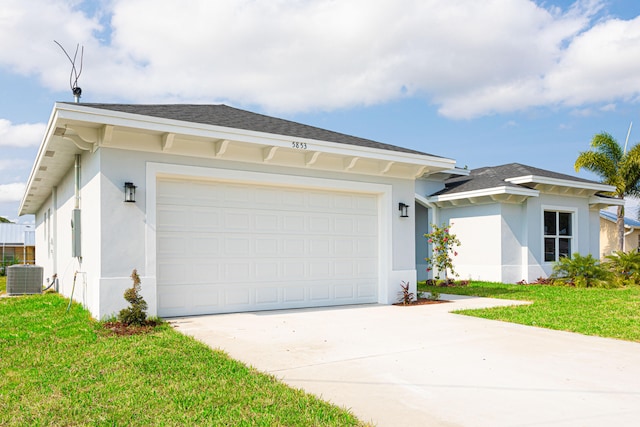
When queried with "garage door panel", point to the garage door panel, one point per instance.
{"points": [[268, 295], [266, 222], [293, 224], [366, 290], [293, 295], [228, 247], [344, 291], [237, 296], [320, 292], [267, 271]]}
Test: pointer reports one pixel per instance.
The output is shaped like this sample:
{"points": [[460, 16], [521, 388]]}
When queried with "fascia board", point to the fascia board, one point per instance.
{"points": [[535, 179], [157, 124], [53, 118], [606, 200], [485, 192]]}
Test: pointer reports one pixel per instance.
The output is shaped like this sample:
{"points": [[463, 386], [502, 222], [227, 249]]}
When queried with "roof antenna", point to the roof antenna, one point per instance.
{"points": [[627, 140], [75, 72]]}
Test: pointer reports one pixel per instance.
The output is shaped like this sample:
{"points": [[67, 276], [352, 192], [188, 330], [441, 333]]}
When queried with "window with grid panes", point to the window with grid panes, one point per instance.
{"points": [[558, 235]]}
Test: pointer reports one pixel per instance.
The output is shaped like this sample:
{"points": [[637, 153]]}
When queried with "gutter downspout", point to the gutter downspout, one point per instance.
{"points": [[77, 181], [54, 236], [624, 240]]}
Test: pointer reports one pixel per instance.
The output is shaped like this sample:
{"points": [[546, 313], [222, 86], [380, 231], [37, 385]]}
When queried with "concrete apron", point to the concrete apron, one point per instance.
{"points": [[423, 366]]}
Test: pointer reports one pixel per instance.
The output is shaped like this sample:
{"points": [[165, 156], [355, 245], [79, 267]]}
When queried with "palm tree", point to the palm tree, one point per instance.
{"points": [[616, 167]]}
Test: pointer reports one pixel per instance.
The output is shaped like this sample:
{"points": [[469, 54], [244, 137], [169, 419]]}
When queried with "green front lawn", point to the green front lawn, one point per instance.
{"points": [[59, 368], [613, 313]]}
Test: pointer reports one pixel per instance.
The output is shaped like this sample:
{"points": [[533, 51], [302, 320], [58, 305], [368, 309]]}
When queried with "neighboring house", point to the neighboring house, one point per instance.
{"points": [[17, 245], [514, 221], [609, 234], [234, 211]]}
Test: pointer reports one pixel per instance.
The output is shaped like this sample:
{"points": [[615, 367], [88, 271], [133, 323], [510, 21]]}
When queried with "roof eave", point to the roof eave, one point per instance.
{"points": [[65, 113], [50, 129], [536, 179], [501, 194]]}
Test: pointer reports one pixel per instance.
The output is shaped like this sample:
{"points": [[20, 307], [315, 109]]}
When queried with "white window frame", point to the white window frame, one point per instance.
{"points": [[573, 237]]}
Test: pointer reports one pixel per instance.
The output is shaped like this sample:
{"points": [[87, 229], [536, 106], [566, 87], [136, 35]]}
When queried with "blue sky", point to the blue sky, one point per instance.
{"points": [[484, 83]]}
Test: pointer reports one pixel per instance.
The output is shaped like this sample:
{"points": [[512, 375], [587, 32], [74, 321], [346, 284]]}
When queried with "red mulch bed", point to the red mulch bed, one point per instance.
{"points": [[122, 329], [421, 301]]}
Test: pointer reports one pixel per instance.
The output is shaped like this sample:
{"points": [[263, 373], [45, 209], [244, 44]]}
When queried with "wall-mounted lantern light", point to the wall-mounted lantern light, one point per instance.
{"points": [[404, 210], [129, 192]]}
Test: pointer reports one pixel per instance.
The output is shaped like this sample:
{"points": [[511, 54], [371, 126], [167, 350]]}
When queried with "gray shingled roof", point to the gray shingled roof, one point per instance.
{"points": [[495, 176], [223, 115]]}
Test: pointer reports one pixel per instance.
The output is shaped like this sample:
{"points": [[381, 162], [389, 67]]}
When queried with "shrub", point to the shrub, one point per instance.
{"points": [[625, 266], [135, 314], [444, 244], [581, 272]]}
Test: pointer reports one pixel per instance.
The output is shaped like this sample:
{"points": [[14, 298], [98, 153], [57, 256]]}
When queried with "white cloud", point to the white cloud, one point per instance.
{"points": [[470, 58], [22, 135], [11, 192], [13, 164]]}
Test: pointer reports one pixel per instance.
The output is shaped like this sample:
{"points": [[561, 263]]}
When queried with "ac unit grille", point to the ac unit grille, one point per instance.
{"points": [[24, 279]]}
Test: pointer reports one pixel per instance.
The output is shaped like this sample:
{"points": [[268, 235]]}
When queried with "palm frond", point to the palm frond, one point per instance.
{"points": [[598, 163]]}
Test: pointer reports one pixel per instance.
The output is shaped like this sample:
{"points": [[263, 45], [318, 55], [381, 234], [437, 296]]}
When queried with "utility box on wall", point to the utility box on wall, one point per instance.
{"points": [[76, 247]]}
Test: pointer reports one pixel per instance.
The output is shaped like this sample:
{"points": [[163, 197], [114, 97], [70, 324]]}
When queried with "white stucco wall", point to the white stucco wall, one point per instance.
{"points": [[514, 242], [54, 245], [504, 242], [478, 228], [115, 234]]}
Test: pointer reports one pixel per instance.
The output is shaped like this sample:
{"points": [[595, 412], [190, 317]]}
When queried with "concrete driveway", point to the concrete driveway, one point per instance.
{"points": [[423, 366]]}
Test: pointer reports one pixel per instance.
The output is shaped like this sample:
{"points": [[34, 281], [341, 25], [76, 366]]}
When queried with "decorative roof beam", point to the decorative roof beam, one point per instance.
{"points": [[421, 170], [350, 163], [268, 153], [387, 167], [220, 147], [311, 158], [105, 135], [80, 143], [167, 141]]}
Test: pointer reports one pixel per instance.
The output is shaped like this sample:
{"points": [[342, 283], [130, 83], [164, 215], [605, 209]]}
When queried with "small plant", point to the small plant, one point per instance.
{"points": [[444, 244], [434, 295], [406, 297], [581, 272], [135, 314]]}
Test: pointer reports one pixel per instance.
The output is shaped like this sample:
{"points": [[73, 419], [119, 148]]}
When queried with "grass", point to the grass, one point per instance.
{"points": [[63, 369], [613, 313], [3, 284]]}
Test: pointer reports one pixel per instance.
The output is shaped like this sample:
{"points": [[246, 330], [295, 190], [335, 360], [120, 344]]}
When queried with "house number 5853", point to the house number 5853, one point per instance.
{"points": [[299, 145]]}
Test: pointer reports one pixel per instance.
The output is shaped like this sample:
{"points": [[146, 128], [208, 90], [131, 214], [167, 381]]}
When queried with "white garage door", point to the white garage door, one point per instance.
{"points": [[227, 247]]}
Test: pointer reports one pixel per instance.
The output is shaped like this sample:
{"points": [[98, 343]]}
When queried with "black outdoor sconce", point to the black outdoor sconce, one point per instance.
{"points": [[129, 192], [404, 210]]}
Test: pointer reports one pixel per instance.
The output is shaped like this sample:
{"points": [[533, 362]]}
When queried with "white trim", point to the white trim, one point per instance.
{"points": [[528, 179], [485, 192], [574, 228], [384, 191], [608, 201]]}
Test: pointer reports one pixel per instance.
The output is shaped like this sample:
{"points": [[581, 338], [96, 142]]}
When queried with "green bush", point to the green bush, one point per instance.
{"points": [[625, 267], [581, 272], [134, 314]]}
